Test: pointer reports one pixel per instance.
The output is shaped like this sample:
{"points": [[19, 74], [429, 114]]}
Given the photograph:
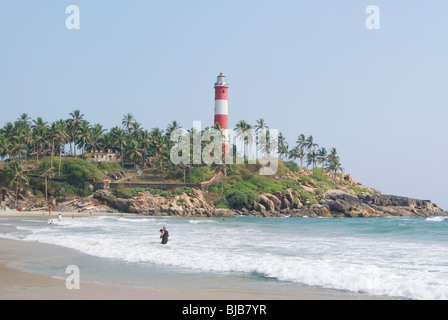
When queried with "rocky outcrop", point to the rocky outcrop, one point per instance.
{"points": [[339, 203], [146, 203], [332, 203], [309, 201]]}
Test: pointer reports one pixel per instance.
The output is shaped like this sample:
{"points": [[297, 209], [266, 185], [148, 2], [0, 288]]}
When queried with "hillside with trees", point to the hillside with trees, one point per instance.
{"points": [[47, 164]]}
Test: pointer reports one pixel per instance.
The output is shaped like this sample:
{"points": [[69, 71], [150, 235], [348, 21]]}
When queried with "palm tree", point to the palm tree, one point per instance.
{"points": [[297, 153], [157, 142], [8, 130], [145, 142], [261, 124], [5, 146], [46, 172], [61, 136], [39, 135], [96, 135], [282, 146], [312, 159], [310, 144], [333, 154], [173, 126], [322, 156], [268, 144], [75, 122], [37, 141], [24, 119], [83, 135], [18, 143], [120, 139], [136, 130], [301, 141], [39, 124], [133, 152], [18, 175], [334, 166], [244, 130], [127, 121]]}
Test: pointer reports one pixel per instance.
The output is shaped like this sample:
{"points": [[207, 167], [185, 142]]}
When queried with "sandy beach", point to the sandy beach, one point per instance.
{"points": [[20, 285], [17, 284]]}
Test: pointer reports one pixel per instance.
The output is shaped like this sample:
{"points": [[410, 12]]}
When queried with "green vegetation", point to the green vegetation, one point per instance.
{"points": [[50, 160], [237, 199], [128, 193]]}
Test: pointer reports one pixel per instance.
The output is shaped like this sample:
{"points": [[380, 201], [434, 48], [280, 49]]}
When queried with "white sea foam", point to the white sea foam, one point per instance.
{"points": [[436, 219], [315, 254]]}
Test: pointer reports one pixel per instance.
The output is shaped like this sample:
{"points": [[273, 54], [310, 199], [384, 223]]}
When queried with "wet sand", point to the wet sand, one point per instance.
{"points": [[16, 284], [20, 285]]}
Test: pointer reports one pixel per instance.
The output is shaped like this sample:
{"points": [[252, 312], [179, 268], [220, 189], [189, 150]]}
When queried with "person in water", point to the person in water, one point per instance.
{"points": [[164, 234]]}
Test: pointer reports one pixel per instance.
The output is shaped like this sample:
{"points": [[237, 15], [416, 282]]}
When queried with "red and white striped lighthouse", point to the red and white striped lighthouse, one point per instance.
{"points": [[221, 107]]}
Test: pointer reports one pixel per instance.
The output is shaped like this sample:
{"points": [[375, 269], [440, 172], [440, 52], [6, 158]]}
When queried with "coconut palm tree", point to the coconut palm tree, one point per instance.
{"points": [[127, 121], [282, 146], [310, 144], [18, 142], [145, 142], [5, 146], [333, 154], [261, 124], [244, 130], [334, 166], [46, 171], [75, 123], [312, 159], [96, 135], [39, 124], [60, 135], [322, 157], [24, 119], [157, 142], [83, 135], [297, 153], [133, 152], [18, 176], [136, 130], [119, 137], [8, 130], [301, 141]]}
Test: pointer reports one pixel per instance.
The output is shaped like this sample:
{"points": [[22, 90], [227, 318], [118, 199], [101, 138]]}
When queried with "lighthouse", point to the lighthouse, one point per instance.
{"points": [[221, 108]]}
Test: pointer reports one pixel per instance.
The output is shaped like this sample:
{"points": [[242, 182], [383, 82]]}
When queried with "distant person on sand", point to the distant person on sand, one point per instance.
{"points": [[164, 235], [59, 217]]}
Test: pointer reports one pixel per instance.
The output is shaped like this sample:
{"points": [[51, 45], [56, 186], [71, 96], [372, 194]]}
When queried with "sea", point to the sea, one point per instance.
{"points": [[395, 257]]}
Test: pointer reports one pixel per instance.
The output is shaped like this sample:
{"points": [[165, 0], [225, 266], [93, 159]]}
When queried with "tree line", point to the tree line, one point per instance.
{"points": [[26, 138]]}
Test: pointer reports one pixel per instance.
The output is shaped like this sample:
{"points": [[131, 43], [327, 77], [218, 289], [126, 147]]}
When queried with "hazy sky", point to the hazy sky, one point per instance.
{"points": [[380, 97]]}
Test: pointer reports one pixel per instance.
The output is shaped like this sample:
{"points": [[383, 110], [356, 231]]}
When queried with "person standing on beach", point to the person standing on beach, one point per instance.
{"points": [[164, 235]]}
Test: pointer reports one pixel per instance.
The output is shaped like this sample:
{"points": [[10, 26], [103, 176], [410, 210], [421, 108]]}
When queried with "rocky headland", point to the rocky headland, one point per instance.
{"points": [[339, 202], [307, 198], [335, 203]]}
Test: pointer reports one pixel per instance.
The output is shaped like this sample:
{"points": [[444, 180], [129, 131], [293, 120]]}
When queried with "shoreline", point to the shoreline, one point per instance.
{"points": [[19, 284]]}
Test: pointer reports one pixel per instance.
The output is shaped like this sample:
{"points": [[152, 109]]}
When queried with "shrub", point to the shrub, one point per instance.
{"points": [[79, 169], [183, 189], [200, 174], [222, 203], [213, 188], [239, 199], [291, 165], [110, 167]]}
